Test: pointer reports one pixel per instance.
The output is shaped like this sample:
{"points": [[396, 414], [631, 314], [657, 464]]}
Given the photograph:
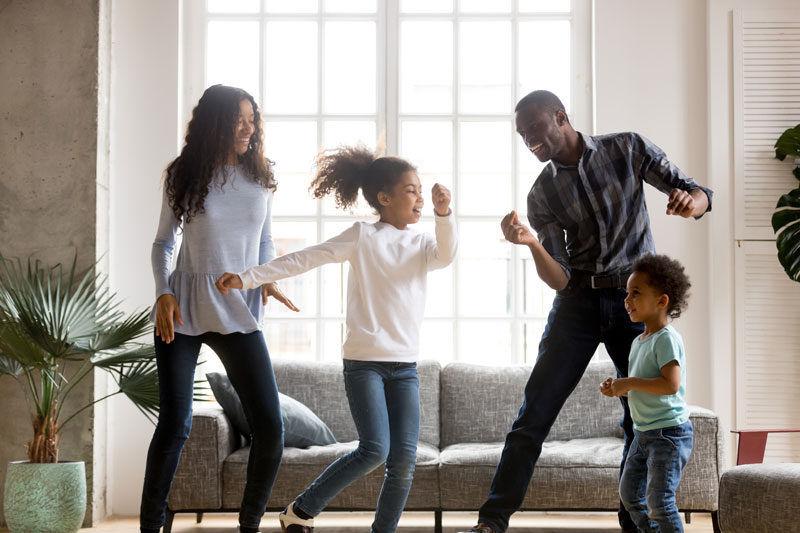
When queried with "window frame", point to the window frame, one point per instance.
{"points": [[388, 119]]}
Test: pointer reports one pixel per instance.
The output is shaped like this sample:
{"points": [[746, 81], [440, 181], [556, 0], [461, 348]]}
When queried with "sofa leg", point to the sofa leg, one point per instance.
{"points": [[199, 517], [715, 521], [437, 522], [168, 521], [688, 516]]}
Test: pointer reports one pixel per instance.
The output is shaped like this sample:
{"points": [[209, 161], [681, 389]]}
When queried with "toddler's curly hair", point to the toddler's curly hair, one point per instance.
{"points": [[668, 276]]}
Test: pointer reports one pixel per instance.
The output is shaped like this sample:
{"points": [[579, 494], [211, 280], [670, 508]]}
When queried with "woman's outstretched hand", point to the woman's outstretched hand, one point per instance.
{"points": [[228, 281], [271, 289], [167, 313], [441, 200]]}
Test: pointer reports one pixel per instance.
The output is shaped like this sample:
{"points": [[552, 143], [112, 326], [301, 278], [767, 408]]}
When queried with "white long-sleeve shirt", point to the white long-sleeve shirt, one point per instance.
{"points": [[386, 284]]}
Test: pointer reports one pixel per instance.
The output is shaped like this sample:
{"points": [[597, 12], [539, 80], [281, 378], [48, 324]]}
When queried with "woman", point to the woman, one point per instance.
{"points": [[218, 193]]}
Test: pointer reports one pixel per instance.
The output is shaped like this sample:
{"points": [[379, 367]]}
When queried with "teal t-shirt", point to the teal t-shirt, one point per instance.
{"points": [[651, 411]]}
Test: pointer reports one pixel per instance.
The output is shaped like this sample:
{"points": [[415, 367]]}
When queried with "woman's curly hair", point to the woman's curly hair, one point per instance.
{"points": [[669, 277], [209, 140], [343, 171]]}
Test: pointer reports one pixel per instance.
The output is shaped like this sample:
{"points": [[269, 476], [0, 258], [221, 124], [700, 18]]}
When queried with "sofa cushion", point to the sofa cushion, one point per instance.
{"points": [[578, 475], [603, 451], [301, 427], [479, 404], [299, 467], [320, 386]]}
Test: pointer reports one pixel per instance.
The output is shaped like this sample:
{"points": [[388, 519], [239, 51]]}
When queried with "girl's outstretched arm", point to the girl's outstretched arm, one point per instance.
{"points": [[335, 250]]}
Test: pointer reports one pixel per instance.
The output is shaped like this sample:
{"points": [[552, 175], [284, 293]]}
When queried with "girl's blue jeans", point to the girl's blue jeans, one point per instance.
{"points": [[248, 366], [384, 402], [652, 474]]}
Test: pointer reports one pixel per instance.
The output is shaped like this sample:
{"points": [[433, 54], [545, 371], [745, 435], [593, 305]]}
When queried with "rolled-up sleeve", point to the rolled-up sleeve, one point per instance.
{"points": [[660, 172], [548, 230]]}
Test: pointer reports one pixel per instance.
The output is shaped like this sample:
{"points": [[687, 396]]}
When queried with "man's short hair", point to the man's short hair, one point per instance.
{"points": [[543, 99]]}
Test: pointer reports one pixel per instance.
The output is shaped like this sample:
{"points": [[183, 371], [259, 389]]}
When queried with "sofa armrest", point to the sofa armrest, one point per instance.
{"points": [[198, 480], [699, 486]]}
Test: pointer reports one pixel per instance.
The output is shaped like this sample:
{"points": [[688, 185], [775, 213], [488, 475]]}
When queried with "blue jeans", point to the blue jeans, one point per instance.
{"points": [[580, 319], [247, 363], [384, 402], [652, 474]]}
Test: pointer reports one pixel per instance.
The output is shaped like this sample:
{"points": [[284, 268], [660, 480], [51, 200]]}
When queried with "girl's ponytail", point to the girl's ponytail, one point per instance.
{"points": [[341, 172]]}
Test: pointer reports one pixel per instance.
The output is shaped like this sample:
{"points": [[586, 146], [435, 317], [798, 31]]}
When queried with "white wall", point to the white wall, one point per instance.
{"points": [[651, 78], [144, 138]]}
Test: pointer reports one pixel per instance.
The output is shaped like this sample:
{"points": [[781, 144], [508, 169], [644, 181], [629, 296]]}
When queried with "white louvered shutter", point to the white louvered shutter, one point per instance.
{"points": [[766, 86]]}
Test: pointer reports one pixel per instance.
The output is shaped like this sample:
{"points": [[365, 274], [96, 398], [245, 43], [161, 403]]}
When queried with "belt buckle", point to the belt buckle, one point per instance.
{"points": [[602, 281]]}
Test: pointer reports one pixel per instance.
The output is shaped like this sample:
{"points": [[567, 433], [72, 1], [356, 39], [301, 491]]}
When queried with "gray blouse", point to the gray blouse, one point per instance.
{"points": [[233, 234]]}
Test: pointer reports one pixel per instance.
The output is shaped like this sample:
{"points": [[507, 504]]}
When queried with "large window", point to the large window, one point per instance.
{"points": [[437, 81]]}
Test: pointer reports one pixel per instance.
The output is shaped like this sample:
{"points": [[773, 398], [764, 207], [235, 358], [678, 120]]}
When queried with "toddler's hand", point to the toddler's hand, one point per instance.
{"points": [[441, 200], [615, 387], [228, 281], [605, 387]]}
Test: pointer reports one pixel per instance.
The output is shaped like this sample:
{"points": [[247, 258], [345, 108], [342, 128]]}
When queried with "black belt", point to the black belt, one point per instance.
{"points": [[600, 281]]}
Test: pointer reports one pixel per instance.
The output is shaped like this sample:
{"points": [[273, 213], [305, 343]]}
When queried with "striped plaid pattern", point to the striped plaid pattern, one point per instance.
{"points": [[593, 217]]}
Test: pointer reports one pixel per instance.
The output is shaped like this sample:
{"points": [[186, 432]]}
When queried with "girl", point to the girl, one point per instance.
{"points": [[663, 434], [221, 184], [385, 302]]}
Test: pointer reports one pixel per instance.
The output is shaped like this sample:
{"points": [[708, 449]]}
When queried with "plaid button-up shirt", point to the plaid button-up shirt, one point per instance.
{"points": [[593, 217]]}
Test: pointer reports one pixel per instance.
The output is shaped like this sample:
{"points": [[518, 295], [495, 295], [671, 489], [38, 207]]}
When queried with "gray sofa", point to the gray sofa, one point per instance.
{"points": [[466, 411]]}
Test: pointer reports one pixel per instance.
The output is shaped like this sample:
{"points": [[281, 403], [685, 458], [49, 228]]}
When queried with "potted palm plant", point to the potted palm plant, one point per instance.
{"points": [[786, 219], [56, 327]]}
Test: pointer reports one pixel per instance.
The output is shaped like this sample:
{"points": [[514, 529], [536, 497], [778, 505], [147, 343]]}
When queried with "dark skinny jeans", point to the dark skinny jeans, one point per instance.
{"points": [[247, 363]]}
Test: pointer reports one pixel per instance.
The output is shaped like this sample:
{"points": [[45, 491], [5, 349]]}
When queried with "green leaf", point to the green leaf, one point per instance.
{"points": [[139, 382], [113, 359], [786, 224], [17, 345], [788, 144], [117, 335], [50, 315], [10, 366]]}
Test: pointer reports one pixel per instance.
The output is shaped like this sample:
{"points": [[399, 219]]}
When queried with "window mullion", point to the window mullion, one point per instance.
{"points": [[320, 323], [457, 185], [517, 280], [390, 122]]}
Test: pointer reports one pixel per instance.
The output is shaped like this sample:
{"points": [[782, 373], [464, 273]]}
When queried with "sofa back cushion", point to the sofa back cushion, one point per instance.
{"points": [[479, 404], [320, 387]]}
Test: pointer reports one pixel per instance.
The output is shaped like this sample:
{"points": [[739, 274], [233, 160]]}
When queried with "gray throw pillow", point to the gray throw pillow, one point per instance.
{"points": [[301, 427]]}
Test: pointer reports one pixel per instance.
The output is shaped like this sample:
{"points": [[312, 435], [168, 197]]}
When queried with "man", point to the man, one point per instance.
{"points": [[588, 210]]}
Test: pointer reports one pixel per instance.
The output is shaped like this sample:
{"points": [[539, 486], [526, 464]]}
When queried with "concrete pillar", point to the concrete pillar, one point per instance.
{"points": [[49, 57]]}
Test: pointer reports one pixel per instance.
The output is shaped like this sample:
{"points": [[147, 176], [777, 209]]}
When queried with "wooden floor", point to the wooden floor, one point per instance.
{"points": [[410, 523]]}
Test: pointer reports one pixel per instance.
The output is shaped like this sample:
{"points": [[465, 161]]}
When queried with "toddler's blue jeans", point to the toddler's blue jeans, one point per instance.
{"points": [[651, 476]]}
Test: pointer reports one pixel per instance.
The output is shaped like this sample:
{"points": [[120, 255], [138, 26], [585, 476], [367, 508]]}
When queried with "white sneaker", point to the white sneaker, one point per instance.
{"points": [[291, 523]]}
